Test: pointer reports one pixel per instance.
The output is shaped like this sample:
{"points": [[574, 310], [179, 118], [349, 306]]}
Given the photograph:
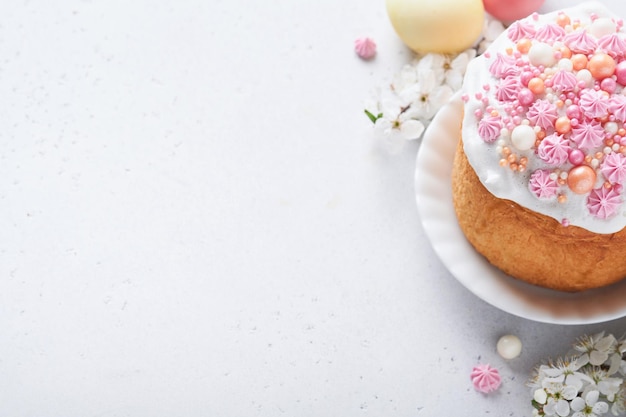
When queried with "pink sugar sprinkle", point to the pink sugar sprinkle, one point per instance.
{"points": [[485, 378], [465, 98], [365, 48], [542, 185], [614, 168], [553, 149], [604, 202]]}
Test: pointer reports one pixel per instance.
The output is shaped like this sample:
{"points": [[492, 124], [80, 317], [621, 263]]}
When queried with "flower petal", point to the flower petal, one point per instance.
{"points": [[578, 404], [569, 392], [592, 397], [600, 408], [597, 357], [540, 396], [412, 129], [606, 343], [562, 408]]}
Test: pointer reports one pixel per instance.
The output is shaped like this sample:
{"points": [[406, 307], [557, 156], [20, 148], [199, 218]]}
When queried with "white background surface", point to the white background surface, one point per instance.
{"points": [[197, 221]]}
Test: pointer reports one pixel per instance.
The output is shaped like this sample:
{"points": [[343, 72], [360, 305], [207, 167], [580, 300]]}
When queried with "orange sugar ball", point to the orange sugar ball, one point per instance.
{"points": [[523, 45], [562, 125], [579, 61], [565, 52], [563, 20], [601, 66], [536, 86], [581, 179]]}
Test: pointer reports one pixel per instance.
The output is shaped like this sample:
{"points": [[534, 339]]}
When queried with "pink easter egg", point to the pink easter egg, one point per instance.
{"points": [[510, 10]]}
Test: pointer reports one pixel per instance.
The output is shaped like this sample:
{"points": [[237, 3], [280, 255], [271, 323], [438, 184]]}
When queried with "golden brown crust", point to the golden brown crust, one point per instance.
{"points": [[530, 246]]}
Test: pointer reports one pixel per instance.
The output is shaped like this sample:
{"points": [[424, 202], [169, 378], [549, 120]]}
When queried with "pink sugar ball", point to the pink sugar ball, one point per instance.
{"points": [[620, 72]]}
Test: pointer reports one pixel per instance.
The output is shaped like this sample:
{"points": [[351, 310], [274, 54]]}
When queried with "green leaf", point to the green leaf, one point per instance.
{"points": [[372, 117]]}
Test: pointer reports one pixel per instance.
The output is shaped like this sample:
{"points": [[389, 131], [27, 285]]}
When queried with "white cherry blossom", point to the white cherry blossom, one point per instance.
{"points": [[589, 406]]}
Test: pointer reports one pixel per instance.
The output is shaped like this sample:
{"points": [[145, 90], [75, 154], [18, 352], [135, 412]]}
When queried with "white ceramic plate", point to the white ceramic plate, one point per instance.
{"points": [[434, 202]]}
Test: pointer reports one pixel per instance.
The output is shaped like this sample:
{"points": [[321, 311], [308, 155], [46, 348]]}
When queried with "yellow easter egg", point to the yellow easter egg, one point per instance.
{"points": [[442, 26]]}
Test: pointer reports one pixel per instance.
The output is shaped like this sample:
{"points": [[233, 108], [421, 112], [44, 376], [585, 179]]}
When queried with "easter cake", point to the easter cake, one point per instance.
{"points": [[538, 175]]}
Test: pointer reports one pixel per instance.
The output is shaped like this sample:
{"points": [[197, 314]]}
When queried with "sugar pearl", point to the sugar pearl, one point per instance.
{"points": [[523, 137], [585, 77], [611, 127], [525, 96], [525, 77], [509, 346], [601, 66], [581, 179], [608, 85], [562, 20], [541, 54], [562, 125], [537, 86], [579, 61], [576, 156], [602, 26], [620, 72], [573, 111], [566, 64]]}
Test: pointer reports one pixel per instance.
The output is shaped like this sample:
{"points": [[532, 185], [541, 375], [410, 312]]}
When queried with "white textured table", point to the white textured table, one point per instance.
{"points": [[197, 221]]}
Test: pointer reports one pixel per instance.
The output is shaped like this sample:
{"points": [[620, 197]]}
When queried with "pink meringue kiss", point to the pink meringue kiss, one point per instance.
{"points": [[485, 378], [365, 48]]}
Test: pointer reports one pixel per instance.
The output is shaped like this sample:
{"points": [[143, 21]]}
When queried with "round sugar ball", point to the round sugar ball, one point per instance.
{"points": [[541, 54], [523, 137], [442, 26], [510, 10], [602, 26], [509, 346]]}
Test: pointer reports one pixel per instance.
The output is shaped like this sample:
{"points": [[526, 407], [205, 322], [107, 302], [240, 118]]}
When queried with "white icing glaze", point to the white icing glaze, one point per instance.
{"points": [[485, 157]]}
